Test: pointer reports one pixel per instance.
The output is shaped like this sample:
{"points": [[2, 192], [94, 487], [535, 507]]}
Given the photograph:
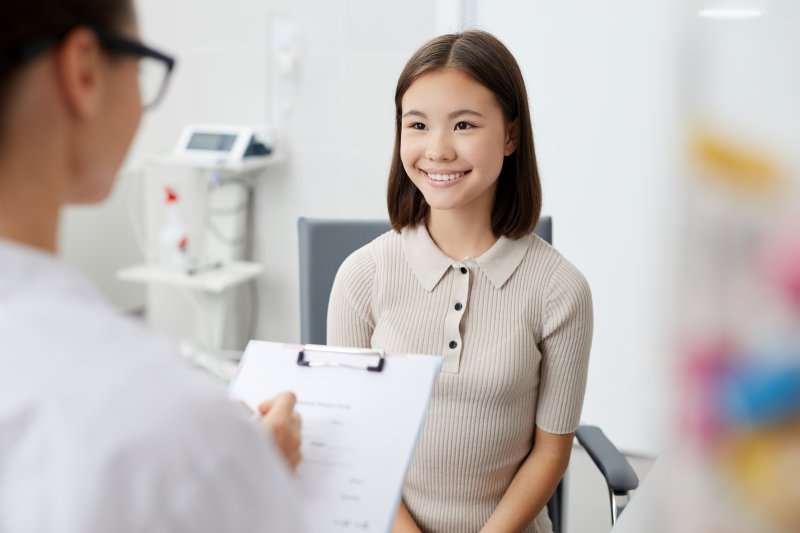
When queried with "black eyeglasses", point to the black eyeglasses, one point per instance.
{"points": [[155, 67]]}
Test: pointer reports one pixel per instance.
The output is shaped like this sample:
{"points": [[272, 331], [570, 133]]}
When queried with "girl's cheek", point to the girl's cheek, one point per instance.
{"points": [[409, 151]]}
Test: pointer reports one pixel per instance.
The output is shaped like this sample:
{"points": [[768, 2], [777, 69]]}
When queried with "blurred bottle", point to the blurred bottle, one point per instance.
{"points": [[173, 240]]}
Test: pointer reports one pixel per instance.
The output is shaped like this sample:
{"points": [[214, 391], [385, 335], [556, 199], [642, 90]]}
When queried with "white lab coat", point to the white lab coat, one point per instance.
{"points": [[104, 429]]}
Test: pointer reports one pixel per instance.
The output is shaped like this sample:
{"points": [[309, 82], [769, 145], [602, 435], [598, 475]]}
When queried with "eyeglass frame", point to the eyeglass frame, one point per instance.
{"points": [[112, 42]]}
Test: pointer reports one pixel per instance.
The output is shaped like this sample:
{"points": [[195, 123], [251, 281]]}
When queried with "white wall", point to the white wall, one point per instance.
{"points": [[98, 240]]}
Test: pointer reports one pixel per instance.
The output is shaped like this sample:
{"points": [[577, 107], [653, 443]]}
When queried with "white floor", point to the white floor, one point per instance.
{"points": [[588, 506]]}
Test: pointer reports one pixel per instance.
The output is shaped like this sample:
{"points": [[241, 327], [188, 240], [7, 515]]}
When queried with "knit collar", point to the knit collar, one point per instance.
{"points": [[429, 263]]}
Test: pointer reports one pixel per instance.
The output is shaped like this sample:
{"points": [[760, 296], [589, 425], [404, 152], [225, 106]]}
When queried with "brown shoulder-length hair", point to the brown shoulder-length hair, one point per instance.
{"points": [[518, 198]]}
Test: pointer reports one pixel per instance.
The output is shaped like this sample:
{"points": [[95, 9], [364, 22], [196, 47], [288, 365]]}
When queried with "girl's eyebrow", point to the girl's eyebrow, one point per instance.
{"points": [[452, 115], [414, 114], [460, 112]]}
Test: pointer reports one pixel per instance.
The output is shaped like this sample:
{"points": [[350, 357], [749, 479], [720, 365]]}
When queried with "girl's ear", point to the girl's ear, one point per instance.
{"points": [[78, 64], [512, 138]]}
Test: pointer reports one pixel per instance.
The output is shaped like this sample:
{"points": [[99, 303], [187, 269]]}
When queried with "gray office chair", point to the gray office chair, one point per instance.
{"points": [[325, 244]]}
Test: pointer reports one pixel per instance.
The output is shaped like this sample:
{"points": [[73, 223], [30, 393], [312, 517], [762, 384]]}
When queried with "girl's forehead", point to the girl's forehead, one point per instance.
{"points": [[447, 88], [443, 80]]}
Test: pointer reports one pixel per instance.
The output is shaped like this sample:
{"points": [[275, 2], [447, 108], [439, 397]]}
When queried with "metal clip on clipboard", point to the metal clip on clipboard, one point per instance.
{"points": [[302, 361]]}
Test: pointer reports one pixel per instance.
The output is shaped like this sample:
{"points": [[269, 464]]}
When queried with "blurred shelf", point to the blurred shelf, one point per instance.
{"points": [[213, 279], [247, 165]]}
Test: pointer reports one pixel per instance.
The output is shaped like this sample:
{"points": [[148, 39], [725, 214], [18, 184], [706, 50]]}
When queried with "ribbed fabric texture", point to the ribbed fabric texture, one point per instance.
{"points": [[520, 360]]}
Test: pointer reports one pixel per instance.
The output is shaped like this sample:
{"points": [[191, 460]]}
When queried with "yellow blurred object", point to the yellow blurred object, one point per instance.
{"points": [[763, 468], [735, 166]]}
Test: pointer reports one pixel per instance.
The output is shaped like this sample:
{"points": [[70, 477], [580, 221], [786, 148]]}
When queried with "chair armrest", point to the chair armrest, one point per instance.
{"points": [[615, 468]]}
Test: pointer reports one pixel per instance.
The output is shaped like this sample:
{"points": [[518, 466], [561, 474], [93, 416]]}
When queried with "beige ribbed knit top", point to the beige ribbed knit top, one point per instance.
{"points": [[514, 327]]}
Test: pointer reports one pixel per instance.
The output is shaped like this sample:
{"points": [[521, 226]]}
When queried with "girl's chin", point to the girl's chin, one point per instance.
{"points": [[438, 204]]}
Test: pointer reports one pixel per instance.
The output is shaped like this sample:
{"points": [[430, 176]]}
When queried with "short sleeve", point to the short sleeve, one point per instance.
{"points": [[566, 342], [350, 318]]}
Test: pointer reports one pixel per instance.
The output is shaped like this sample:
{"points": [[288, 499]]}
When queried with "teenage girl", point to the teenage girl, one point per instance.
{"points": [[462, 275]]}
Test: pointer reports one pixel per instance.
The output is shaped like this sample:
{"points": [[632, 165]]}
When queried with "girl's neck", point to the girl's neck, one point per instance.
{"points": [[460, 234]]}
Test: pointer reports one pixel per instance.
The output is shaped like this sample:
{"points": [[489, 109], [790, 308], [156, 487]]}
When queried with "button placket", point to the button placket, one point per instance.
{"points": [[452, 331]]}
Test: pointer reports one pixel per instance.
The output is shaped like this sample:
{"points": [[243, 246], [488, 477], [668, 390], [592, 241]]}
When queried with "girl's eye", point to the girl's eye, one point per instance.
{"points": [[417, 126], [463, 126]]}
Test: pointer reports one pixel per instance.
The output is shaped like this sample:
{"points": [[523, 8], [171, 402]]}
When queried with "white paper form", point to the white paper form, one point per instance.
{"points": [[359, 427]]}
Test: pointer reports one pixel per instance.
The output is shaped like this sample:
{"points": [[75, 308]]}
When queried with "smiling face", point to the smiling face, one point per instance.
{"points": [[453, 140]]}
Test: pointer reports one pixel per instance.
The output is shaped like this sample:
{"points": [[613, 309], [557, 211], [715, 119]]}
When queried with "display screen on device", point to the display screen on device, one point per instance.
{"points": [[217, 142]]}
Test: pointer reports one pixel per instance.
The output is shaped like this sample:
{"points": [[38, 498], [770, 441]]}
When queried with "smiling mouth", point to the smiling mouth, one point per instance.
{"points": [[445, 177]]}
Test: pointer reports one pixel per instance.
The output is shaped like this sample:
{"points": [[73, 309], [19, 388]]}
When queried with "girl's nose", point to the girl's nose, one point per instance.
{"points": [[439, 148]]}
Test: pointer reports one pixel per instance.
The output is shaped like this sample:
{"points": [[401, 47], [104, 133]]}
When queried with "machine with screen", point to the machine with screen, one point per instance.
{"points": [[222, 145]]}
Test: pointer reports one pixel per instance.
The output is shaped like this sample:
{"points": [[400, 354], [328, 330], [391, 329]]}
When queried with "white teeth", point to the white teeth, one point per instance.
{"points": [[445, 177]]}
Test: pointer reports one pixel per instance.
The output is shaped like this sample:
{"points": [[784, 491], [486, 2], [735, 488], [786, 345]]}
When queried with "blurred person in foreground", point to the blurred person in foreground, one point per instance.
{"points": [[102, 427]]}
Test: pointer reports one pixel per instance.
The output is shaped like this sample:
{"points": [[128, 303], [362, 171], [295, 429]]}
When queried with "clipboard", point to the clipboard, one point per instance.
{"points": [[362, 412]]}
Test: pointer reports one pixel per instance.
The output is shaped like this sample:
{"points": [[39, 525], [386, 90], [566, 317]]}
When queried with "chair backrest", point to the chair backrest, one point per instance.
{"points": [[324, 244]]}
